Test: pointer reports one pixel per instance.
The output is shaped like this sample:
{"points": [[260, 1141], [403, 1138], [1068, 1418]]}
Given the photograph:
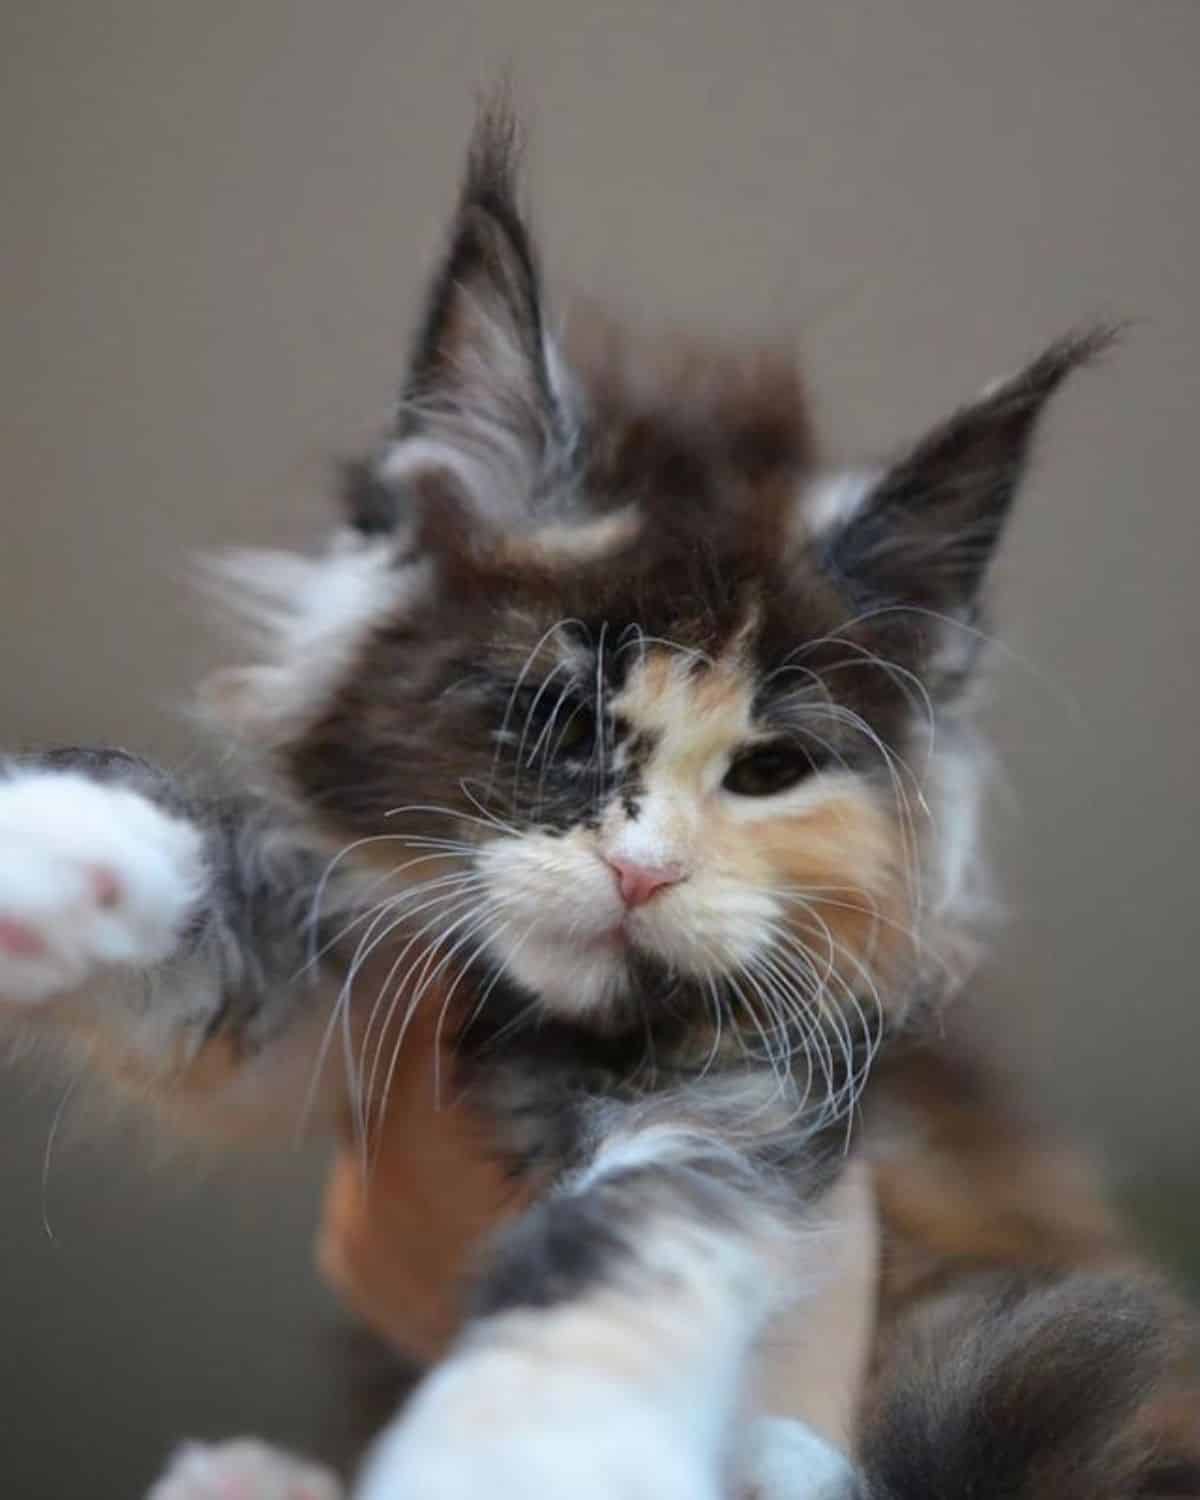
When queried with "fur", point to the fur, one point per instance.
{"points": [[615, 730]]}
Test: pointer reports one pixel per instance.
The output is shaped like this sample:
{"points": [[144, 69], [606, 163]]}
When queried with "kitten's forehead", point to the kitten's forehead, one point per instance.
{"points": [[685, 701], [702, 670]]}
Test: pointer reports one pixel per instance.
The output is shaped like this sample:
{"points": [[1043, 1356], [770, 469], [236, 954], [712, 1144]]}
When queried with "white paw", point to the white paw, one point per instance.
{"points": [[495, 1424], [90, 875], [242, 1470], [785, 1460]]}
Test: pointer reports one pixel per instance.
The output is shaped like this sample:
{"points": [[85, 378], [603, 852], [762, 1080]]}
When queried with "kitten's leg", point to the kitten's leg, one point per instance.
{"points": [[162, 933], [94, 875], [607, 1356], [787, 1460], [243, 1470]]}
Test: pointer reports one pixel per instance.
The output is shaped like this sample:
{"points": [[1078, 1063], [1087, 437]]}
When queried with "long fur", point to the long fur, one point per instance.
{"points": [[640, 745]]}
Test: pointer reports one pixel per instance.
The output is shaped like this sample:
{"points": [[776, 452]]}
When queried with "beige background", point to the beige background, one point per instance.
{"points": [[215, 219]]}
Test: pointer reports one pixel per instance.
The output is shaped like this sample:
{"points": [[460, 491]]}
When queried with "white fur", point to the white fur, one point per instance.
{"points": [[611, 1397], [784, 1460], [631, 1392], [559, 911], [564, 388], [658, 838], [488, 425], [242, 1469], [310, 616], [788, 1461], [406, 462], [305, 604], [674, 1141], [954, 789], [618, 1453], [558, 901], [502, 1424], [91, 876], [833, 500]]}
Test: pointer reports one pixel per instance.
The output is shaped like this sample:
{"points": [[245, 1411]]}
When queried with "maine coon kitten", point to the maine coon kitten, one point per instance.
{"points": [[639, 741]]}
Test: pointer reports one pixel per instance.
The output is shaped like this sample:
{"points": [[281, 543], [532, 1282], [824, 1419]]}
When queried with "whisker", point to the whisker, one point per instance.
{"points": [[426, 981], [598, 793], [446, 812], [391, 990], [48, 1154], [380, 924], [378, 1102], [313, 919], [489, 817], [519, 757], [516, 689], [415, 888], [456, 895], [693, 653]]}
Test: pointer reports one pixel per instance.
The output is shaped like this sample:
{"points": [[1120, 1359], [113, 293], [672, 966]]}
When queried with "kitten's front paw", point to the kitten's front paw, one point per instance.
{"points": [[500, 1425], [786, 1460], [91, 874], [242, 1470]]}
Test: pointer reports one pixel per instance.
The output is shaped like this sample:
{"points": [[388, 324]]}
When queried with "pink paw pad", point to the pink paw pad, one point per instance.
{"points": [[19, 940], [106, 888]]}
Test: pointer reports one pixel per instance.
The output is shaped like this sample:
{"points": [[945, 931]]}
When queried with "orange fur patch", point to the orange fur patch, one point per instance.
{"points": [[847, 853]]}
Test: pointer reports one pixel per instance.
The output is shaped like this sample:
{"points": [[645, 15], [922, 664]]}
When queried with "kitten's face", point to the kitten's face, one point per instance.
{"points": [[689, 796], [698, 842], [633, 787], [648, 713]]}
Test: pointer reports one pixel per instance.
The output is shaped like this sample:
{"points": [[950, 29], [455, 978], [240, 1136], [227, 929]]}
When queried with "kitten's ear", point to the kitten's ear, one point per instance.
{"points": [[923, 533], [483, 409]]}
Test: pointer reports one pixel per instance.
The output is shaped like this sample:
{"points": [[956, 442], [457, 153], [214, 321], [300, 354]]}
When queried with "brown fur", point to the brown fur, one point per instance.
{"points": [[679, 415], [1023, 1337], [1022, 1351]]}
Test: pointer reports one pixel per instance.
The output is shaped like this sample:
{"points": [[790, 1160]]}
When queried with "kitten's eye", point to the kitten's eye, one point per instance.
{"points": [[766, 770], [548, 724], [574, 732]]}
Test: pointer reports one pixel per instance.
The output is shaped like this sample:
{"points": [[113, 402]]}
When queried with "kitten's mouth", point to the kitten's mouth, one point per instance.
{"points": [[611, 940]]}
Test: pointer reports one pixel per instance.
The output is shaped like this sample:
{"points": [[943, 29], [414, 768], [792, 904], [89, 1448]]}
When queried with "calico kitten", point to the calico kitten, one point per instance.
{"points": [[627, 734]]}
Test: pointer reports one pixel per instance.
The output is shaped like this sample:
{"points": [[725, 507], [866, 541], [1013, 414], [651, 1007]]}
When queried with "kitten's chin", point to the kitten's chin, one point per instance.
{"points": [[587, 977]]}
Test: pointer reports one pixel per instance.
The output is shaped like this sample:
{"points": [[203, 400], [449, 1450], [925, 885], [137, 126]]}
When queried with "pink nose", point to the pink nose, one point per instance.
{"points": [[638, 883]]}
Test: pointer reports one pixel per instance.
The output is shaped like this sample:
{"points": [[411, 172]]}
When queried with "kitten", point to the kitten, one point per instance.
{"points": [[636, 741]]}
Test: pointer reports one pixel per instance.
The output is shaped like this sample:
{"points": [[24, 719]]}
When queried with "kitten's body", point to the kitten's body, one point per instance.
{"points": [[639, 744]]}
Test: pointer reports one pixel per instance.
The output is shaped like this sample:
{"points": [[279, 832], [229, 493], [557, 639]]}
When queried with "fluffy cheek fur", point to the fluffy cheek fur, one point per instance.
{"points": [[558, 917], [310, 618], [813, 879], [838, 871]]}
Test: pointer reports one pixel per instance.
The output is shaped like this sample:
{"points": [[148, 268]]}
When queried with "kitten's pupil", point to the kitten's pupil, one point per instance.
{"points": [[552, 723], [767, 769], [575, 732]]}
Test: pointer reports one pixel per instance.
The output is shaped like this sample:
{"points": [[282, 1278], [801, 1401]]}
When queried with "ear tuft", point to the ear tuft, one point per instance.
{"points": [[489, 270], [926, 532], [484, 398]]}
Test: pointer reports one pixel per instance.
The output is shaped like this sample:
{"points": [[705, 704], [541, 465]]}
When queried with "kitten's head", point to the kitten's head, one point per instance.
{"points": [[650, 710]]}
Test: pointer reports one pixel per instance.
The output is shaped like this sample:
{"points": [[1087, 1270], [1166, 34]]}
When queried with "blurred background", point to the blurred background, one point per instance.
{"points": [[216, 219]]}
